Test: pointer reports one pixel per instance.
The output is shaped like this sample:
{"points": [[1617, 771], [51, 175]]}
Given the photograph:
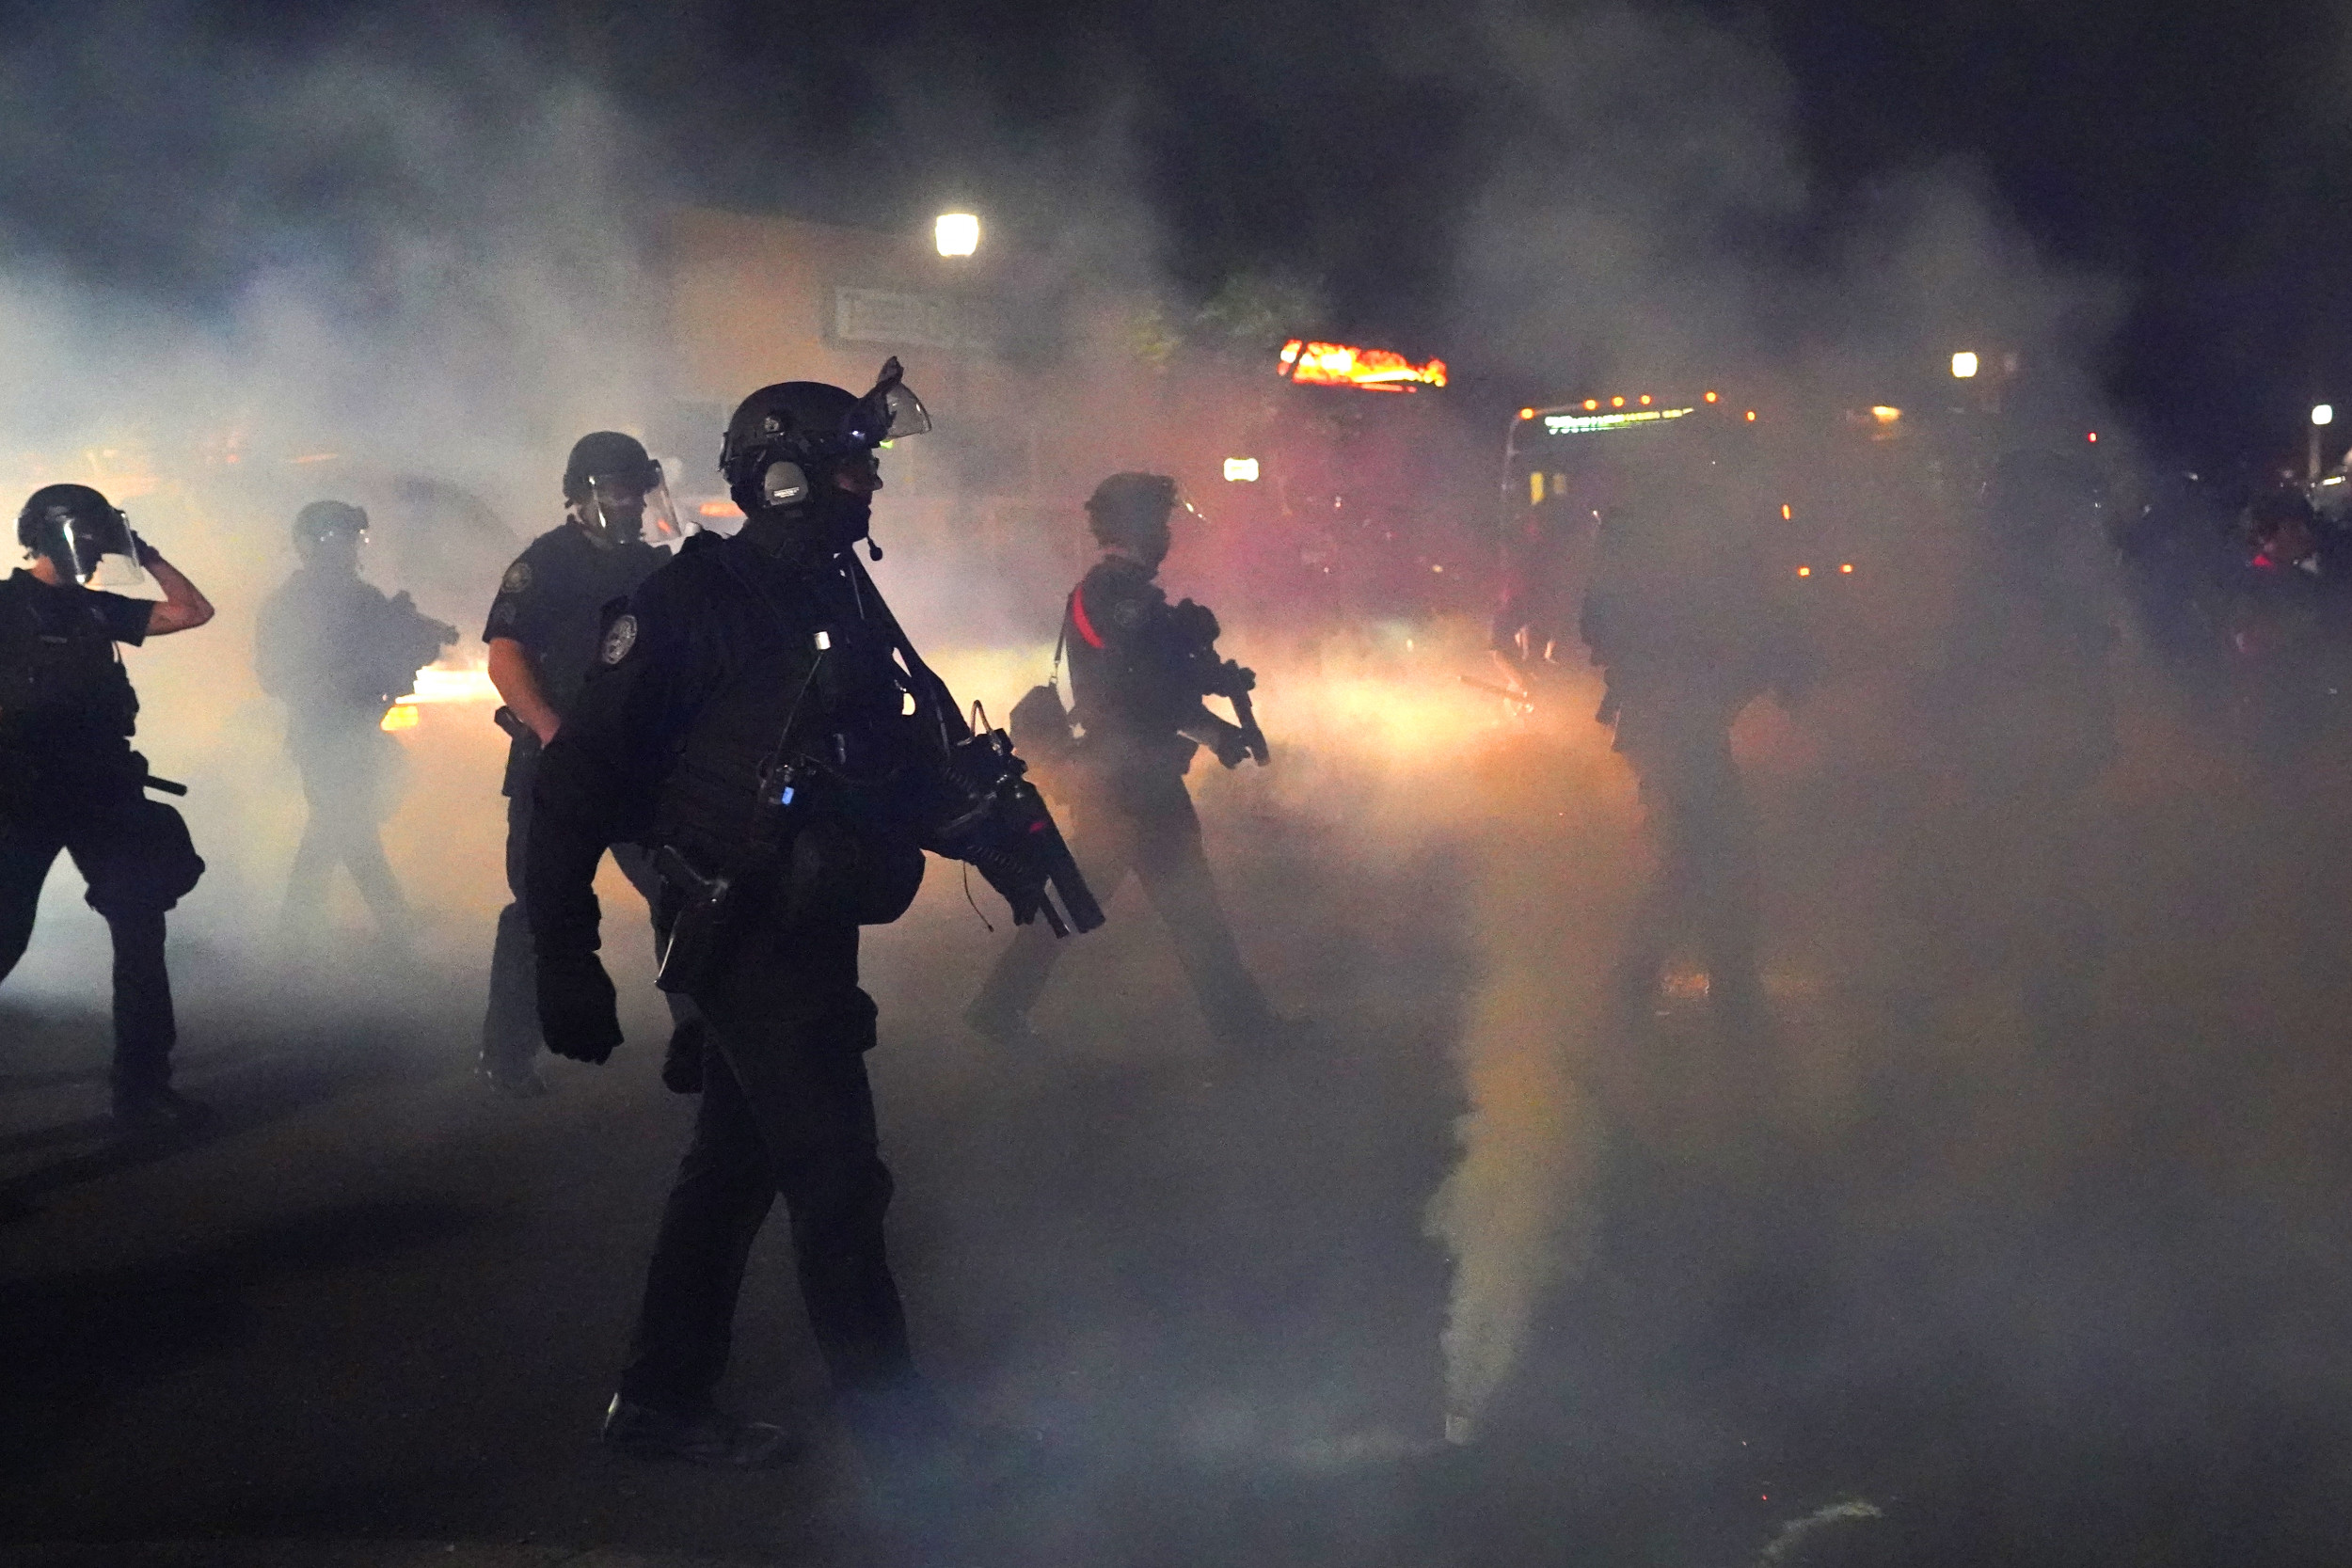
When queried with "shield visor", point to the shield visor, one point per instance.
{"points": [[98, 550], [626, 508], [888, 412]]}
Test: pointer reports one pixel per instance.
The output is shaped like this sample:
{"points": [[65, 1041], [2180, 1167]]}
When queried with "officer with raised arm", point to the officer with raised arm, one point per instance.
{"points": [[68, 779]]}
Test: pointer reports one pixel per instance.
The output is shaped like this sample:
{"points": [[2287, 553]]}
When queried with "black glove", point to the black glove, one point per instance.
{"points": [[143, 552], [577, 1010]]}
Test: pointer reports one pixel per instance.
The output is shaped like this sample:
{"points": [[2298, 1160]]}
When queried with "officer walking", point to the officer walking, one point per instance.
{"points": [[542, 636], [1139, 670], [1678, 617], [68, 779], [337, 653], [761, 718]]}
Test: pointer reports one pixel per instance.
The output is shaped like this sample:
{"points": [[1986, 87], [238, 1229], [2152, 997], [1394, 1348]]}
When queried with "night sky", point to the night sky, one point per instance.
{"points": [[2194, 157]]}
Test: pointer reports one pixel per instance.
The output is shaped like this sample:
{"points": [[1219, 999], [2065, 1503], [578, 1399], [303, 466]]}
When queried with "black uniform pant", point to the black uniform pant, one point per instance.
{"points": [[1144, 823], [1703, 836], [510, 1028], [348, 775], [115, 851], [786, 1111]]}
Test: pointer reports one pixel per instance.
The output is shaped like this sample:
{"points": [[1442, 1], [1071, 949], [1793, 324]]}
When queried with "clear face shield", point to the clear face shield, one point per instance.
{"points": [[95, 549], [890, 412], [625, 509]]}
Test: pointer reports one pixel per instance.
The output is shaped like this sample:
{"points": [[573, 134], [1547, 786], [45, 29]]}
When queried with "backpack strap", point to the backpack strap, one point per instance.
{"points": [[1061, 639]]}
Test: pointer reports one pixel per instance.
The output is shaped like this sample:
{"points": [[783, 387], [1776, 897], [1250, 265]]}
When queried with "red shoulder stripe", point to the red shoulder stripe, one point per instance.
{"points": [[1078, 617]]}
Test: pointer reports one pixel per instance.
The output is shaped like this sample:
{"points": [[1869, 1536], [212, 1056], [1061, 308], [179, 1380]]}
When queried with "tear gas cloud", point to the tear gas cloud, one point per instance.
{"points": [[432, 255]]}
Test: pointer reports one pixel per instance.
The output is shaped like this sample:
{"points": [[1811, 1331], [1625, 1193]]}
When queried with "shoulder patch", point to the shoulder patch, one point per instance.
{"points": [[1127, 612], [619, 638], [517, 578]]}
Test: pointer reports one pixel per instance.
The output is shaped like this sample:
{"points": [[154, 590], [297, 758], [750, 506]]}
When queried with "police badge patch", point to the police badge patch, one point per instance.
{"points": [[619, 638], [517, 578]]}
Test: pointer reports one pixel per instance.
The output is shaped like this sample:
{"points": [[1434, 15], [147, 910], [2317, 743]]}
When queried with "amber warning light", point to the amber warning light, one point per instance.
{"points": [[1374, 370]]}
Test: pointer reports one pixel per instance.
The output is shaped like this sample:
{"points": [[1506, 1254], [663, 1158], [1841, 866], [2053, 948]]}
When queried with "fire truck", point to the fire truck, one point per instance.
{"points": [[1343, 487], [1840, 504]]}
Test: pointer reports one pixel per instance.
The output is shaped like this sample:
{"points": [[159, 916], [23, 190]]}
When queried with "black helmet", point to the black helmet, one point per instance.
{"points": [[782, 435], [616, 490], [609, 454], [1132, 509], [76, 528], [319, 519]]}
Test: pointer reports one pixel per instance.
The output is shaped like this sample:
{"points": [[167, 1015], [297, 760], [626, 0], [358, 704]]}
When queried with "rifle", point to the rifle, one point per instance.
{"points": [[1009, 832], [1197, 624], [1004, 826], [1253, 738]]}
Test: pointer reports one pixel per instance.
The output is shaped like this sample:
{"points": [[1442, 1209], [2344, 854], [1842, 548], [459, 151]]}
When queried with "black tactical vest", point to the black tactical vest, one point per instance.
{"points": [[815, 690], [65, 697]]}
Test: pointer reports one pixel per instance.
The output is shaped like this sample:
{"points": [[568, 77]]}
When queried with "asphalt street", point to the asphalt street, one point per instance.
{"points": [[1892, 1282]]}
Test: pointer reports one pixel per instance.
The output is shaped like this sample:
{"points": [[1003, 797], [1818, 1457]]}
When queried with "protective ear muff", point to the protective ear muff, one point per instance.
{"points": [[783, 485]]}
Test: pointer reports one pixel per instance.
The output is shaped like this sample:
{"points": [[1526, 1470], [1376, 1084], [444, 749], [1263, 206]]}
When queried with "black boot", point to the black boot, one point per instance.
{"points": [[704, 1437]]}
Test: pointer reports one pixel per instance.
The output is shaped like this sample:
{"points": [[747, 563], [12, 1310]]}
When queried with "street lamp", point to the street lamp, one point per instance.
{"points": [[1963, 365], [2322, 414], [956, 233]]}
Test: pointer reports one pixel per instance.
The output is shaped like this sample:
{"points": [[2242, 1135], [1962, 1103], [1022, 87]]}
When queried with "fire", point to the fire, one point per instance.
{"points": [[1376, 369], [401, 716]]}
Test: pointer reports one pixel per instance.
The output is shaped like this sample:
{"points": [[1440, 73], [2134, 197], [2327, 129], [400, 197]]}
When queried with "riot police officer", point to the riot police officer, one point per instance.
{"points": [[759, 717], [541, 638], [337, 653], [1139, 670], [1679, 618], [68, 779]]}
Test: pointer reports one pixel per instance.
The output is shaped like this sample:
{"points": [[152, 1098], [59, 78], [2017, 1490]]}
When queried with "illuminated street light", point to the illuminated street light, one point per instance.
{"points": [[956, 234], [2324, 412], [1963, 365], [1241, 470]]}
